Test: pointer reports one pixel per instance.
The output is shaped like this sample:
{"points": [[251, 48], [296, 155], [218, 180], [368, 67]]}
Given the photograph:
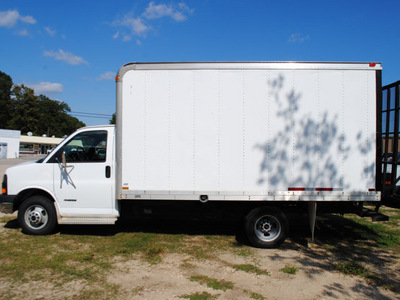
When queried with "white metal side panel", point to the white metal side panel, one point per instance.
{"points": [[251, 132], [334, 144], [231, 131], [133, 131], [256, 106], [181, 146], [291, 152], [206, 131], [306, 127], [156, 132], [359, 130]]}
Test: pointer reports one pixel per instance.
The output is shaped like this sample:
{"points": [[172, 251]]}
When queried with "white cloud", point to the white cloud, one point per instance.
{"points": [[50, 31], [107, 76], [116, 35], [28, 19], [22, 32], [156, 11], [298, 38], [135, 25], [141, 25], [10, 18], [65, 56], [46, 87], [126, 38]]}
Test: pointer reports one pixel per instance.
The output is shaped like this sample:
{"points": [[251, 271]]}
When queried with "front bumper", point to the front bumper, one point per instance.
{"points": [[7, 203]]}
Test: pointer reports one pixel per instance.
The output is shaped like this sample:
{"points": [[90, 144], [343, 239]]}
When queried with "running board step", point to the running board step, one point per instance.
{"points": [[87, 221]]}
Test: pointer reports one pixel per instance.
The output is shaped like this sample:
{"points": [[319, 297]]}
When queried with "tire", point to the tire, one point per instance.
{"points": [[37, 216], [266, 227]]}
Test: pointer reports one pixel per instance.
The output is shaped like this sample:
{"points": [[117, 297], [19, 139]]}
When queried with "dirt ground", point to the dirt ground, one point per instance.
{"points": [[313, 280], [315, 276]]}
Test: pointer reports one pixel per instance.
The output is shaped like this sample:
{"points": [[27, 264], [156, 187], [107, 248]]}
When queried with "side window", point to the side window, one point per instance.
{"points": [[85, 147]]}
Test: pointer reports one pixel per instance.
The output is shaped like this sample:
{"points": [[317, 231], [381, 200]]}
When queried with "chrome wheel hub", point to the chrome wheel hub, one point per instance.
{"points": [[267, 228], [36, 217]]}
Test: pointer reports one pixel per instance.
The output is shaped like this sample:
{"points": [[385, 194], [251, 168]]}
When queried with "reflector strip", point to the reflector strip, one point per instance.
{"points": [[318, 189], [296, 189]]}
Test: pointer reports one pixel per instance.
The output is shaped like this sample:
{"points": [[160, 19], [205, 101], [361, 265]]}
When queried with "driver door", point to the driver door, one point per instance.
{"points": [[83, 183]]}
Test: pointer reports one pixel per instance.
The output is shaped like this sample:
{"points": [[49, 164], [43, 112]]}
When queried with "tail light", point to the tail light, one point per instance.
{"points": [[4, 185]]}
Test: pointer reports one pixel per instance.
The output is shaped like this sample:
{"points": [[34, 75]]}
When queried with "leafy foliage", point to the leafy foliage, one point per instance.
{"points": [[22, 110], [113, 119], [5, 100]]}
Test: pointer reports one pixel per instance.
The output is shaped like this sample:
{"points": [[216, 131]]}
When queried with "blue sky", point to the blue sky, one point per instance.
{"points": [[72, 50]]}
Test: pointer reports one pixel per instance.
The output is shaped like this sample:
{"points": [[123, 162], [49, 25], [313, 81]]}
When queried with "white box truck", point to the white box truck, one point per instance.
{"points": [[254, 140]]}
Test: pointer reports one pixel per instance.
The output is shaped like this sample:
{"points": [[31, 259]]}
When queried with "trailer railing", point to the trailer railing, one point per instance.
{"points": [[390, 141]]}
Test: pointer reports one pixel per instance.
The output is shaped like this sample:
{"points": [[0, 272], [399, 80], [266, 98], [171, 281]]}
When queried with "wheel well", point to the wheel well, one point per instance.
{"points": [[22, 196]]}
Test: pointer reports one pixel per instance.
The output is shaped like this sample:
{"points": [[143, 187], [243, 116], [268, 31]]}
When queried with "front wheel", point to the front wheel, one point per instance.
{"points": [[266, 227], [37, 216]]}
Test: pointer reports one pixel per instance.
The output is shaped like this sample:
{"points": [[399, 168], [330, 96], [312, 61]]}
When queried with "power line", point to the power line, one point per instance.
{"points": [[90, 115], [85, 113]]}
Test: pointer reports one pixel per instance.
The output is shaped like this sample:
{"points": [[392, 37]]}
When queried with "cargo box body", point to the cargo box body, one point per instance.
{"points": [[247, 131]]}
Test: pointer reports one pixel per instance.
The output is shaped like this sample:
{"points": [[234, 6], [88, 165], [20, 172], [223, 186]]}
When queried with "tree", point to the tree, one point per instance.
{"points": [[5, 99], [25, 109], [41, 115], [54, 118], [21, 109], [113, 119]]}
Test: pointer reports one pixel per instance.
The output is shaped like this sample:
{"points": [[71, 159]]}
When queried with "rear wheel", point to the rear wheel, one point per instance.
{"points": [[37, 216], [266, 227]]}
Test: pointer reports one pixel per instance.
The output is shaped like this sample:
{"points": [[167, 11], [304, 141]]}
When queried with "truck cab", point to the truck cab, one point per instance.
{"points": [[74, 184]]}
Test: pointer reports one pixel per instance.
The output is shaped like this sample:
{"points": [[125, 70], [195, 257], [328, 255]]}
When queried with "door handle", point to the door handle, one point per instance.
{"points": [[108, 171]]}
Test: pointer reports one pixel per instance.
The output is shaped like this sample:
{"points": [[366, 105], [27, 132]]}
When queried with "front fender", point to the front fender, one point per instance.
{"points": [[33, 191]]}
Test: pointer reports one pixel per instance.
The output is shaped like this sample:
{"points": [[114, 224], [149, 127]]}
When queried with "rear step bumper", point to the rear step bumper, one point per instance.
{"points": [[375, 216]]}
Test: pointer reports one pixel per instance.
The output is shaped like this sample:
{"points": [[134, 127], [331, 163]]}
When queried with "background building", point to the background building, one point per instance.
{"points": [[9, 143], [12, 144], [37, 144]]}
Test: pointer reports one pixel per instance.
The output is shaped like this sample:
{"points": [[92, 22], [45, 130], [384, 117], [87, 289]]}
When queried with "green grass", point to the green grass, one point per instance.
{"points": [[198, 296], [87, 257], [251, 269], [363, 247], [242, 250], [254, 295], [6, 219], [351, 268], [212, 282], [289, 270], [86, 254]]}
